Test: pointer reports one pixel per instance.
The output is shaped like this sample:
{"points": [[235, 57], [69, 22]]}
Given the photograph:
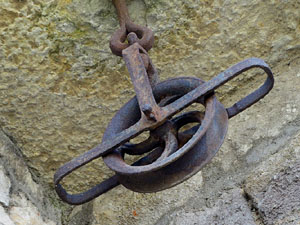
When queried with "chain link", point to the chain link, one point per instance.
{"points": [[145, 36]]}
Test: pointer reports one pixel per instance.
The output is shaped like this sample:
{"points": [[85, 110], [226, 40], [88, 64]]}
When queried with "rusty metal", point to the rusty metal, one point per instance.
{"points": [[118, 39], [172, 156]]}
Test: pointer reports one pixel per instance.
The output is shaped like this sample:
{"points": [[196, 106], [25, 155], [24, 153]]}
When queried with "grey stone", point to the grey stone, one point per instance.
{"points": [[35, 198], [274, 186], [230, 209], [279, 201], [25, 213], [281, 198], [4, 187], [4, 218]]}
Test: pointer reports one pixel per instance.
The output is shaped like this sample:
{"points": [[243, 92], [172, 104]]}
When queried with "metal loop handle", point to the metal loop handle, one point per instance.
{"points": [[258, 94], [106, 185], [211, 85], [97, 190], [94, 192]]}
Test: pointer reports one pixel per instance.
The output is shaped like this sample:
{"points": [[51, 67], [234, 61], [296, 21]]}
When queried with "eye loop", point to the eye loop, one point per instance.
{"points": [[145, 37]]}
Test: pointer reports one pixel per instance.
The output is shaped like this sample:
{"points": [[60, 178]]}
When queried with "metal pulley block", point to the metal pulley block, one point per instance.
{"points": [[172, 156]]}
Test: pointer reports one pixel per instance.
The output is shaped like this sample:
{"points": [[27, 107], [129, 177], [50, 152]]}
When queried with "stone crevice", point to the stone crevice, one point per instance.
{"points": [[258, 217]]}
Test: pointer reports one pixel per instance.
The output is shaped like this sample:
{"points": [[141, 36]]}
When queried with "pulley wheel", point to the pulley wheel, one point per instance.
{"points": [[181, 164]]}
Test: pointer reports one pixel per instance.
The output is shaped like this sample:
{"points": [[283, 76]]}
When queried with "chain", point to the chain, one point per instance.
{"points": [[133, 33], [118, 43]]}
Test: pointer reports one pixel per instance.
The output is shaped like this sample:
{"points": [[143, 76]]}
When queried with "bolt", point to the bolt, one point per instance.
{"points": [[132, 38], [148, 111]]}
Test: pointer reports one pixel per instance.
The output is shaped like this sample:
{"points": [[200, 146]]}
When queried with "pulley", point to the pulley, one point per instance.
{"points": [[172, 156]]}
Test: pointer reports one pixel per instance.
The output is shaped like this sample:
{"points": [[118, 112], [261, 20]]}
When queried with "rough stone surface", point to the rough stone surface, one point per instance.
{"points": [[281, 199], [231, 209], [4, 187], [25, 201], [60, 85], [4, 218], [274, 187], [25, 213], [137, 206]]}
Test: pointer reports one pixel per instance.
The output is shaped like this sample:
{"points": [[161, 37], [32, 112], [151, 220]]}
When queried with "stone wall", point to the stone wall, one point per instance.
{"points": [[60, 86], [22, 200]]}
